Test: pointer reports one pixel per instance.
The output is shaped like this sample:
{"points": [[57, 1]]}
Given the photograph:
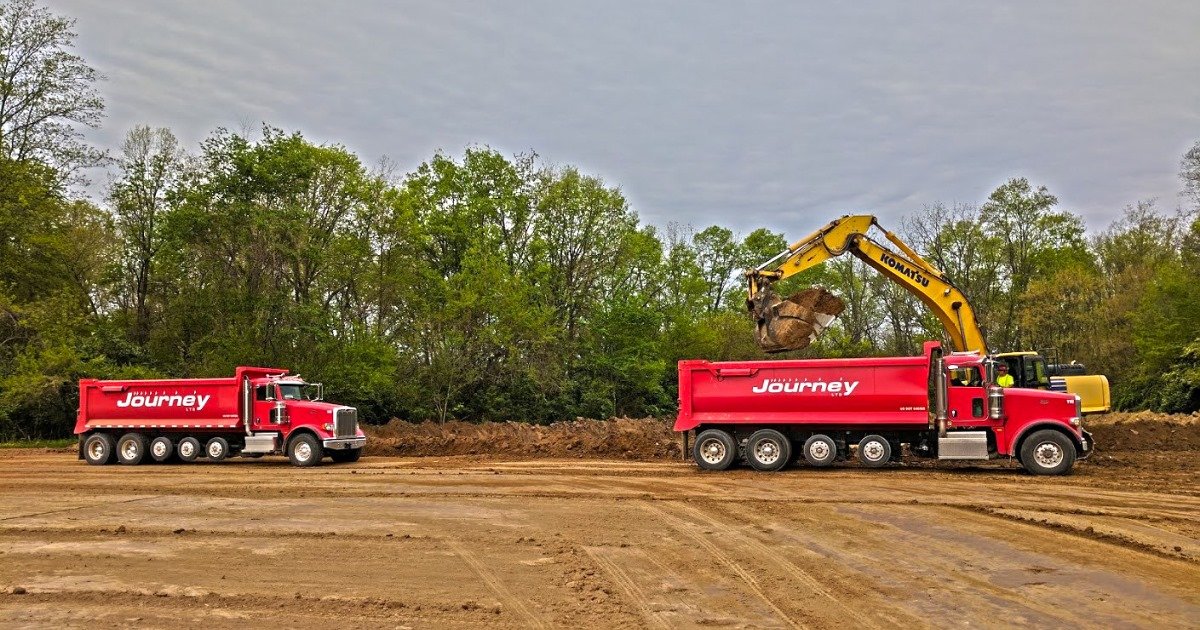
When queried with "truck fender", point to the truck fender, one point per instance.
{"points": [[297, 433], [1015, 445]]}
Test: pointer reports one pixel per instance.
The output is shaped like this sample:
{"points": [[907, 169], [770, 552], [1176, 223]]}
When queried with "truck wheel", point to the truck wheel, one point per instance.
{"points": [[131, 449], [217, 449], [161, 449], [305, 450], [820, 450], [188, 449], [768, 450], [98, 449], [714, 450], [874, 451], [1047, 452], [346, 457]]}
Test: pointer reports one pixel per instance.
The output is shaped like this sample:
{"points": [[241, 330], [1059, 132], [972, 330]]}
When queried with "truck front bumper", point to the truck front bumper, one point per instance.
{"points": [[1089, 445], [343, 444]]}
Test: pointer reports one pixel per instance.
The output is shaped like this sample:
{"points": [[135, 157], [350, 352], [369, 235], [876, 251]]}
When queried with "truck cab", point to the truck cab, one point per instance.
{"points": [[287, 403], [979, 419]]}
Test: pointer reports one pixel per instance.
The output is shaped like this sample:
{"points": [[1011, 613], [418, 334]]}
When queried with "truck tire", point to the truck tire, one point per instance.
{"points": [[874, 451], [820, 450], [768, 450], [131, 449], [188, 449], [217, 449], [304, 450], [161, 449], [714, 450], [1047, 452], [99, 449], [347, 456]]}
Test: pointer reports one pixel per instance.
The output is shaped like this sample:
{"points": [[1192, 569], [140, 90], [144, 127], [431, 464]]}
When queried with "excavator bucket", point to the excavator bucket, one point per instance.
{"points": [[795, 322]]}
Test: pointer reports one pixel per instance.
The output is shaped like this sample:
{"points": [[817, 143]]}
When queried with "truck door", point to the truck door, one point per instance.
{"points": [[966, 396], [264, 407]]}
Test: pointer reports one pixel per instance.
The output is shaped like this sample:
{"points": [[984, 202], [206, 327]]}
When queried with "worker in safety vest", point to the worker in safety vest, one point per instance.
{"points": [[1003, 378]]}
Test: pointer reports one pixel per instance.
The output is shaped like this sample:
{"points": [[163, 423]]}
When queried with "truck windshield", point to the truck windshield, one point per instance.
{"points": [[292, 391]]}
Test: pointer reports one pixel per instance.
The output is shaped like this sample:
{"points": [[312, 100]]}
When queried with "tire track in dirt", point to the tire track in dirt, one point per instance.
{"points": [[987, 556], [857, 554], [628, 586], [71, 532], [690, 530], [78, 507], [787, 566], [1116, 539], [242, 607], [495, 585]]}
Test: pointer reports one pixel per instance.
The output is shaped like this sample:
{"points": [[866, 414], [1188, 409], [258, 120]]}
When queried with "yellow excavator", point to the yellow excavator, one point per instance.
{"points": [[792, 323]]}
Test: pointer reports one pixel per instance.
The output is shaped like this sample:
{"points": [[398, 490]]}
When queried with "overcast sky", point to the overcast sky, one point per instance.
{"points": [[780, 114]]}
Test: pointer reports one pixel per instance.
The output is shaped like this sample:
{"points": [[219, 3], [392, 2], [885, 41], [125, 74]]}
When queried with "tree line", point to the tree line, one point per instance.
{"points": [[484, 286]]}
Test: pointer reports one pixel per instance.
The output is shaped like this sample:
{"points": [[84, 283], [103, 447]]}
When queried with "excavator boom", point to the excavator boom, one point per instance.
{"points": [[849, 234], [793, 323]]}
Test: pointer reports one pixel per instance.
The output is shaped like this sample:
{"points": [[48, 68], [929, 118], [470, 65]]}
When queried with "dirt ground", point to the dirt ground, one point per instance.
{"points": [[603, 534]]}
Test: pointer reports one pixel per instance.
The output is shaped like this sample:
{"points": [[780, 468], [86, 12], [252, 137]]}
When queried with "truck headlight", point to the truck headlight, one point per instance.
{"points": [[328, 426], [1076, 422]]}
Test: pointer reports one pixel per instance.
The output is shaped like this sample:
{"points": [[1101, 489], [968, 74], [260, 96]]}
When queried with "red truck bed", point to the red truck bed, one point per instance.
{"points": [[200, 403], [883, 392]]}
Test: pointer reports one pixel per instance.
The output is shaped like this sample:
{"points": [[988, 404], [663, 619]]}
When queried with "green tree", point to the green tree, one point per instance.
{"points": [[718, 255], [582, 233], [1035, 240], [46, 91], [261, 248], [53, 252], [151, 165], [1189, 173], [1167, 329]]}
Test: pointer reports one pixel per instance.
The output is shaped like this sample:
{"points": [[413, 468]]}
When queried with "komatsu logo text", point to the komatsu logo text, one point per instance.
{"points": [[903, 269], [165, 400], [836, 388]]}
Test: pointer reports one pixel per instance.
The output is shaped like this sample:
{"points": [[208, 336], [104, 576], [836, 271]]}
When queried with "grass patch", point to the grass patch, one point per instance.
{"points": [[59, 443]]}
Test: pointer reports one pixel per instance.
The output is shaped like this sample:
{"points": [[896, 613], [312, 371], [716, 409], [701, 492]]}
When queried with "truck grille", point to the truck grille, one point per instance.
{"points": [[345, 422]]}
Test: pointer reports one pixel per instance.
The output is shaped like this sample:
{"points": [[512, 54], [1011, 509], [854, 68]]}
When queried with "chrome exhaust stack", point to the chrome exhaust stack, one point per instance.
{"points": [[247, 404], [940, 395]]}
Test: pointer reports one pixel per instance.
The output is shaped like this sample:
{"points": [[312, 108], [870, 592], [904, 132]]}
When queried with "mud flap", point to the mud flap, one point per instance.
{"points": [[792, 324], [1089, 445]]}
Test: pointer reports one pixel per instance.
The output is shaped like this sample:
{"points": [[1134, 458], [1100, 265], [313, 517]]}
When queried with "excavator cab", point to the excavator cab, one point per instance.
{"points": [[1028, 369]]}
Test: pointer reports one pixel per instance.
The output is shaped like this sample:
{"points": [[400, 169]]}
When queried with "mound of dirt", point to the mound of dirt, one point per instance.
{"points": [[627, 438], [1144, 431]]}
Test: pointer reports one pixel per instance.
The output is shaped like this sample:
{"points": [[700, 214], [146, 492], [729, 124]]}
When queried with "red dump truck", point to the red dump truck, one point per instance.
{"points": [[943, 405], [259, 411]]}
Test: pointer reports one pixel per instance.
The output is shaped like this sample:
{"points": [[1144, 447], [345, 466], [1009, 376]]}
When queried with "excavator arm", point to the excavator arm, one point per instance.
{"points": [[849, 234]]}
